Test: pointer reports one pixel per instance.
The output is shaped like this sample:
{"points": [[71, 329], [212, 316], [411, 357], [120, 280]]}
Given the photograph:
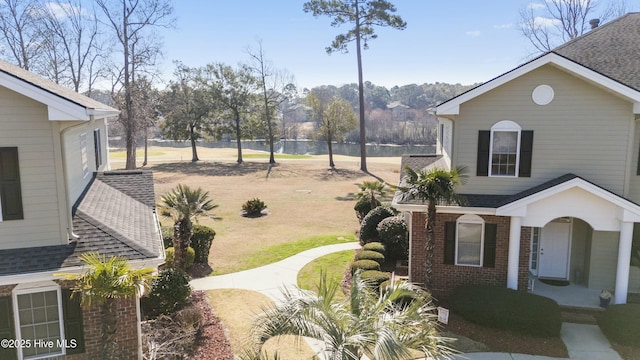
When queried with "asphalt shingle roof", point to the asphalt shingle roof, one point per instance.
{"points": [[116, 216], [611, 49]]}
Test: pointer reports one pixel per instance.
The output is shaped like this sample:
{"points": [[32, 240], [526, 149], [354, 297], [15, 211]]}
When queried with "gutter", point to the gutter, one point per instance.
{"points": [[71, 234]]}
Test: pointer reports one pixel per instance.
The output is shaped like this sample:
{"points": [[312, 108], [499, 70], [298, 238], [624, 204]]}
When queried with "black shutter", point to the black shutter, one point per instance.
{"points": [[490, 235], [97, 148], [10, 190], [526, 153], [73, 327], [449, 242], [6, 328], [482, 163]]}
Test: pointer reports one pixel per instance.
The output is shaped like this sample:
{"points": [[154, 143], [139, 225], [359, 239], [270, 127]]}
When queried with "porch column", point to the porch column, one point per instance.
{"points": [[514, 253], [624, 260]]}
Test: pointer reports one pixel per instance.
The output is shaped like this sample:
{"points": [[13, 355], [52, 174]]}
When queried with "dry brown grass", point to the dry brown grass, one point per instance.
{"points": [[304, 197]]}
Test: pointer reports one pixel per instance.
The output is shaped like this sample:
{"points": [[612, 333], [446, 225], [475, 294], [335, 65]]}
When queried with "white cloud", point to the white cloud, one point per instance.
{"points": [[473, 33], [536, 6], [503, 26], [62, 11], [545, 22]]}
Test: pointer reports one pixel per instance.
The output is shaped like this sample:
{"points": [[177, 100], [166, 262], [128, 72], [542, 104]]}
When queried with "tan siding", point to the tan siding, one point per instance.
{"points": [[634, 183], [584, 130], [23, 123], [604, 255]]}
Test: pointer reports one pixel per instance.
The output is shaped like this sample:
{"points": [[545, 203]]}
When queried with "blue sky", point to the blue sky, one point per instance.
{"points": [[455, 41]]}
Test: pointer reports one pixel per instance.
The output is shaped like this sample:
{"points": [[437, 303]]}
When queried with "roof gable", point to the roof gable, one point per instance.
{"points": [[62, 103]]}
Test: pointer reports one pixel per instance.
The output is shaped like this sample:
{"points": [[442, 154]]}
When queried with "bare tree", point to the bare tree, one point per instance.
{"points": [[272, 83], [131, 22], [548, 24], [363, 15], [19, 27]]}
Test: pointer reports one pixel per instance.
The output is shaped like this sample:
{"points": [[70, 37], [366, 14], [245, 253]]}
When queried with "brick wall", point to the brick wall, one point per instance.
{"points": [[126, 335], [447, 276]]}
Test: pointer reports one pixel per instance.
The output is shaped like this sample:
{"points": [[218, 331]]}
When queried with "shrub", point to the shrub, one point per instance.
{"points": [[253, 207], [393, 233], [616, 324], [375, 246], [369, 225], [170, 252], [406, 297], [374, 277], [363, 206], [370, 255], [167, 236], [169, 292], [364, 265], [507, 309], [201, 243]]}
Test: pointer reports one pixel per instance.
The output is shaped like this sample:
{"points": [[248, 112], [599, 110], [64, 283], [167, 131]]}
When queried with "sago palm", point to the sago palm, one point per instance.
{"points": [[433, 186], [105, 281], [184, 205], [376, 324]]}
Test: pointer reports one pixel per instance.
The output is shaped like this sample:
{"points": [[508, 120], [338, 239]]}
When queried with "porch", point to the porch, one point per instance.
{"points": [[572, 295]]}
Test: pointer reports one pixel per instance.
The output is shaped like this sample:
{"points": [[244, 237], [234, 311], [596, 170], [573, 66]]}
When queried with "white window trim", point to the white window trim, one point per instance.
{"points": [[32, 289], [470, 219], [505, 126], [84, 155]]}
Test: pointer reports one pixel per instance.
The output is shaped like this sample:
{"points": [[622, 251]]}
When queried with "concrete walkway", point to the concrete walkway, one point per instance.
{"points": [[583, 342]]}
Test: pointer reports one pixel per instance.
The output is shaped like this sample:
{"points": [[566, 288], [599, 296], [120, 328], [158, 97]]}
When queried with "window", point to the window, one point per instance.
{"points": [[43, 312], [38, 317], [83, 155], [10, 188], [535, 244], [505, 150], [97, 145], [469, 240]]}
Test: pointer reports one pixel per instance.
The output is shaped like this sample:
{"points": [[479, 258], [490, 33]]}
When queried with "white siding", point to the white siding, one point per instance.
{"points": [[584, 131], [23, 123]]}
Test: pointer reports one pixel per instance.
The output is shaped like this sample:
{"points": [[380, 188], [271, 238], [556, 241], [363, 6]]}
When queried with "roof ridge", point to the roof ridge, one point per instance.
{"points": [[592, 31]]}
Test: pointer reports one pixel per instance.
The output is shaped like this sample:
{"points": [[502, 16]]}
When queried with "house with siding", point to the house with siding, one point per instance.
{"points": [[553, 187], [58, 200]]}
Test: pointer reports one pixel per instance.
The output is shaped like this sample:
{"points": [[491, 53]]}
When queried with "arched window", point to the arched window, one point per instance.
{"points": [[469, 240], [505, 149]]}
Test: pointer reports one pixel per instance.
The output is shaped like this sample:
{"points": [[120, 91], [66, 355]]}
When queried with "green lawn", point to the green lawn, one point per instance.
{"points": [[139, 154], [277, 156], [333, 264], [276, 253]]}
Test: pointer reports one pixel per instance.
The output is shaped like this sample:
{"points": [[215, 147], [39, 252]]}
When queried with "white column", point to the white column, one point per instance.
{"points": [[624, 259], [514, 253]]}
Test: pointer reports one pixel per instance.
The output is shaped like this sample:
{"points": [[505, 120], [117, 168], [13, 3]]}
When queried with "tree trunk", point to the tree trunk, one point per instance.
{"points": [[194, 151], [363, 138], [109, 317], [146, 147], [330, 147], [429, 244], [238, 140], [182, 231]]}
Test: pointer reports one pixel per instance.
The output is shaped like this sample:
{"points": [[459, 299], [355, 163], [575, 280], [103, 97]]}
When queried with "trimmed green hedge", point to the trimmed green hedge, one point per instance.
{"points": [[507, 309], [375, 246], [375, 277], [370, 255], [621, 324], [201, 242], [363, 206], [364, 265], [369, 225], [170, 253]]}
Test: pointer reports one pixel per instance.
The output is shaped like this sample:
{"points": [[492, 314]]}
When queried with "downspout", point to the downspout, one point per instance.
{"points": [[70, 232]]}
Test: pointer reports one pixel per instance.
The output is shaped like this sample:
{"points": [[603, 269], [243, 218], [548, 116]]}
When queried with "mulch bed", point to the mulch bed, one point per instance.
{"points": [[212, 343]]}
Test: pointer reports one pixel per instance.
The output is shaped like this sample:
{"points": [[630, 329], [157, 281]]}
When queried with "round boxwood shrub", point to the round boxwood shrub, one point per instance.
{"points": [[169, 292], [393, 233], [369, 225], [253, 207], [375, 246], [370, 255], [363, 206], [170, 253], [201, 243], [374, 277], [364, 265]]}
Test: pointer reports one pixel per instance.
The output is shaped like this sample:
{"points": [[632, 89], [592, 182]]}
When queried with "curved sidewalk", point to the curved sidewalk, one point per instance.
{"points": [[584, 342], [270, 279]]}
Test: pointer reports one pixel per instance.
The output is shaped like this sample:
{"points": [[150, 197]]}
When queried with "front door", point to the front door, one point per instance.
{"points": [[554, 249]]}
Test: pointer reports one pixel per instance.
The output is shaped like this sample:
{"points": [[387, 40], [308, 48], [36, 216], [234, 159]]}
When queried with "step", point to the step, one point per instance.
{"points": [[579, 315]]}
